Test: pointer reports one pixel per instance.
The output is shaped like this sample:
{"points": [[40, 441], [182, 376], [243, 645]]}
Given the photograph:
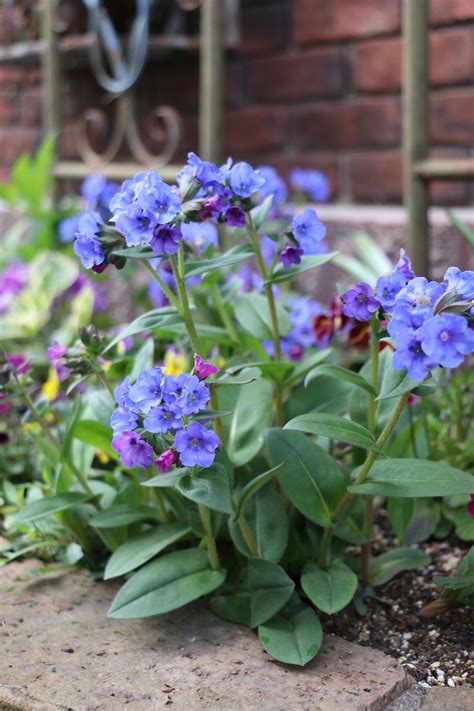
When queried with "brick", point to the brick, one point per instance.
{"points": [[255, 130], [330, 20], [8, 108], [376, 177], [264, 29], [452, 117], [367, 122], [31, 106], [444, 12], [16, 140], [378, 62], [449, 192], [315, 73]]}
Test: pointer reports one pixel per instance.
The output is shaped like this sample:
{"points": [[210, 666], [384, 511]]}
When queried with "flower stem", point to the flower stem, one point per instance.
{"points": [[247, 534], [224, 314], [273, 317], [366, 467], [205, 515], [105, 382], [371, 424], [167, 291]]}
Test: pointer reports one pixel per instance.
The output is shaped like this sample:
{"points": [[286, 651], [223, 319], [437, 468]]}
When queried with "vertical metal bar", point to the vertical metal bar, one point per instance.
{"points": [[211, 80], [50, 69], [416, 129]]}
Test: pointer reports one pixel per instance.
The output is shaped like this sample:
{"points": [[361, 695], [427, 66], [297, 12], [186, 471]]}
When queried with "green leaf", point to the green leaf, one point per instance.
{"points": [[166, 584], [142, 359], [253, 314], [135, 253], [50, 505], [355, 269], [254, 486], [169, 479], [268, 522], [124, 515], [96, 434], [141, 548], [334, 427], [371, 254], [270, 588], [240, 376], [252, 413], [413, 478], [165, 316], [307, 364], [260, 212], [386, 566], [400, 512], [309, 476], [210, 487], [454, 582], [295, 639], [332, 589], [461, 227], [278, 372], [206, 266], [310, 262], [338, 373]]}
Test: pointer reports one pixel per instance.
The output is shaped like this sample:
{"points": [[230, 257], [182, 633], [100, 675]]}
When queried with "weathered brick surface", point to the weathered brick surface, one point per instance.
{"points": [[59, 650], [256, 129], [447, 11], [344, 19], [452, 117]]}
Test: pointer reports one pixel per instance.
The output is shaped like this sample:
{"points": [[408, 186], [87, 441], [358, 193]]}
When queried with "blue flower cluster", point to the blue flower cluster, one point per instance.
{"points": [[305, 237], [160, 404], [96, 192], [431, 323], [312, 183]]}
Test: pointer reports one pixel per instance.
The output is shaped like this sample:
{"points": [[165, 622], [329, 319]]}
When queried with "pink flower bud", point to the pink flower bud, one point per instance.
{"points": [[202, 368], [166, 460]]}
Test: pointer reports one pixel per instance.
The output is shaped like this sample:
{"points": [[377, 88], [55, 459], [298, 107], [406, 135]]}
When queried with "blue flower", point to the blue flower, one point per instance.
{"points": [[166, 239], [196, 445], [156, 294], [311, 182], [404, 266], [200, 235], [447, 339], [404, 317], [158, 198], [462, 283], [308, 231], [359, 302], [273, 185], [420, 292], [173, 387], [206, 173], [133, 450], [147, 391], [127, 194], [194, 396], [244, 180], [387, 289], [163, 418], [87, 244], [234, 216], [123, 420], [410, 355], [268, 248], [68, 227], [136, 225]]}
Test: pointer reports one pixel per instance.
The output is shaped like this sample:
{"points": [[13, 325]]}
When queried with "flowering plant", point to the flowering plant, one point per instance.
{"points": [[244, 464]]}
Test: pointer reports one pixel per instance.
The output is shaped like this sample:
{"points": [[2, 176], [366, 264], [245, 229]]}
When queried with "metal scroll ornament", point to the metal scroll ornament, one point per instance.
{"points": [[117, 72]]}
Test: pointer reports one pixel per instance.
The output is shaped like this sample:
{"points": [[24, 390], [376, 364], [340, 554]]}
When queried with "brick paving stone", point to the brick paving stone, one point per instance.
{"points": [[59, 650]]}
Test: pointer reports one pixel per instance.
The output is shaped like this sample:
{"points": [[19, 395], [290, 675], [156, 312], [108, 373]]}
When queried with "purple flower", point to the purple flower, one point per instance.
{"points": [[12, 281], [388, 288], [147, 391], [157, 296], [206, 174], [447, 339], [158, 198], [18, 363], [290, 255], [273, 185], [56, 351], [311, 182], [166, 460], [133, 451], [359, 302], [234, 216], [194, 396], [420, 292], [196, 445], [268, 248], [404, 266], [244, 180], [163, 418], [136, 224], [127, 194], [87, 245], [166, 240], [202, 368], [200, 235], [123, 420], [406, 317], [462, 283], [410, 355], [308, 230]]}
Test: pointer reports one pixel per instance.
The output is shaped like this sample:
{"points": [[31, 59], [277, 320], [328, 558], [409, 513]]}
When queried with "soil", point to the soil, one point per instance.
{"points": [[437, 651]]}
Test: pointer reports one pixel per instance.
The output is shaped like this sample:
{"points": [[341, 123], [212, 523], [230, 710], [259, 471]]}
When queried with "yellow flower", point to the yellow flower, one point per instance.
{"points": [[174, 362], [31, 426], [102, 456], [220, 362], [50, 388]]}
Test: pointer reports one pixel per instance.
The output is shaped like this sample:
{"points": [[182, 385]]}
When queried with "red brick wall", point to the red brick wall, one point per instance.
{"points": [[313, 83]]}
